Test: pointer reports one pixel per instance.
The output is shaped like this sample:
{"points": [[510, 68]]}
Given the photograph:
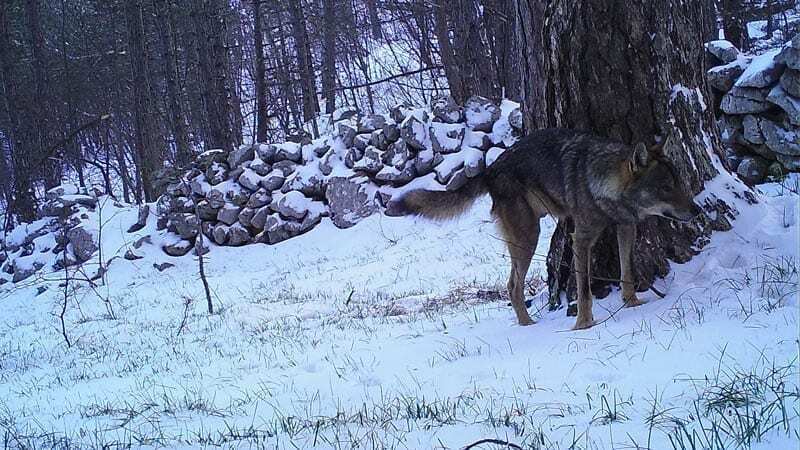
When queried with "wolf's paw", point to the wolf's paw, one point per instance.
{"points": [[525, 321], [583, 323], [633, 302]]}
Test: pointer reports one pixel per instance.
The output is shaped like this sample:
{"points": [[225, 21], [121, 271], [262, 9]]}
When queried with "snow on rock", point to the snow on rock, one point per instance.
{"points": [[786, 102], [762, 71], [279, 190], [723, 77], [723, 50]]}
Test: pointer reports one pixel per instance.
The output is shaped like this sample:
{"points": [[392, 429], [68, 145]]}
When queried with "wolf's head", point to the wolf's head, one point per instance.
{"points": [[656, 189]]}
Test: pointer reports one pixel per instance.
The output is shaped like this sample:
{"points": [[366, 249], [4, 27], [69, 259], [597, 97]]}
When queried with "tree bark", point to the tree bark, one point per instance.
{"points": [[148, 158], [308, 81], [329, 55], [451, 67], [633, 70], [262, 118], [167, 31], [529, 60], [733, 23]]}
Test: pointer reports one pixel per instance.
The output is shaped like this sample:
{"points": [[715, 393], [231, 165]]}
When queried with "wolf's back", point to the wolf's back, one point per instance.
{"points": [[441, 205]]}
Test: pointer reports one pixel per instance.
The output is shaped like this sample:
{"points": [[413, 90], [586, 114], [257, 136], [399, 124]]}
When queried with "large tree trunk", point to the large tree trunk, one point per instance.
{"points": [[529, 61], [633, 70]]}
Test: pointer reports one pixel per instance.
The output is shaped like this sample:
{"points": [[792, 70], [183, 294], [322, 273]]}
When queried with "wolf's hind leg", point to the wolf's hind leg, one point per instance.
{"points": [[582, 242], [626, 236], [520, 227]]}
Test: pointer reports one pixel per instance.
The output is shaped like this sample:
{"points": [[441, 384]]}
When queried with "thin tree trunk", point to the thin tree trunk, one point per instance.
{"points": [[262, 117], [612, 67], [306, 70], [146, 156], [451, 67], [167, 31], [329, 55]]}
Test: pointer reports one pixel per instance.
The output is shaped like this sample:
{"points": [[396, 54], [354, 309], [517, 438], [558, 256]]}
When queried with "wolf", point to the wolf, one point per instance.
{"points": [[597, 182]]}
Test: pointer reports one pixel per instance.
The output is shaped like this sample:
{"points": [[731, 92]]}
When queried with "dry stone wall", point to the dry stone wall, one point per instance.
{"points": [[270, 192], [758, 105]]}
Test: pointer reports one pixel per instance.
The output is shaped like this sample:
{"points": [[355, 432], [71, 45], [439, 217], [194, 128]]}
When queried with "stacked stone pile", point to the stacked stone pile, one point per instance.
{"points": [[270, 192], [60, 238], [758, 101]]}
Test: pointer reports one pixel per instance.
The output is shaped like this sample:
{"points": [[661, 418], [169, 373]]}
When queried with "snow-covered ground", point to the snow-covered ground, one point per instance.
{"points": [[396, 334]]}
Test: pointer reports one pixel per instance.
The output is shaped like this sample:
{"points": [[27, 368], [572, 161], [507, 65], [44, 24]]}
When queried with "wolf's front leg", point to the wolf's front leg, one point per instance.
{"points": [[582, 247], [626, 236]]}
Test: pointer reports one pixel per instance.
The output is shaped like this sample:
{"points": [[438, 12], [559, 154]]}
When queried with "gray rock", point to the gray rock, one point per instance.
{"points": [[446, 138], [260, 167], [229, 214], [370, 123], [259, 219], [790, 55], [414, 132], [178, 248], [279, 230], [220, 234], [762, 72], [371, 162], [250, 180], [515, 119], [352, 155], [301, 137], [787, 103], [163, 266], [206, 211], [723, 77], [752, 129], [311, 186], [216, 173], [320, 149], [266, 152], [446, 110], [131, 256], [246, 215], [327, 161], [82, 243], [289, 151], [396, 155], [286, 167], [238, 235], [457, 181], [425, 161], [209, 157], [349, 200], [745, 101], [753, 169], [391, 132], [137, 244], [399, 112], [361, 142], [238, 197], [475, 163], [730, 128], [23, 273], [291, 205], [780, 140], [378, 140], [481, 113], [790, 82], [273, 181], [259, 198], [185, 225], [391, 174], [763, 151], [723, 50], [241, 154], [345, 134]]}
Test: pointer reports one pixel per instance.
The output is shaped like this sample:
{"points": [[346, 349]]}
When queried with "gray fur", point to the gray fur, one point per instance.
{"points": [[595, 181]]}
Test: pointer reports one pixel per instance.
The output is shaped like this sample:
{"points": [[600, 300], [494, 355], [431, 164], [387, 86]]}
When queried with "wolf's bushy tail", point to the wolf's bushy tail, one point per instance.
{"points": [[442, 205]]}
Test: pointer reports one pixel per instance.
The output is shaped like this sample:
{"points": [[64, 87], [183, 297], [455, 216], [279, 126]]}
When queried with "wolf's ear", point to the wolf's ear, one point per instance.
{"points": [[640, 157]]}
